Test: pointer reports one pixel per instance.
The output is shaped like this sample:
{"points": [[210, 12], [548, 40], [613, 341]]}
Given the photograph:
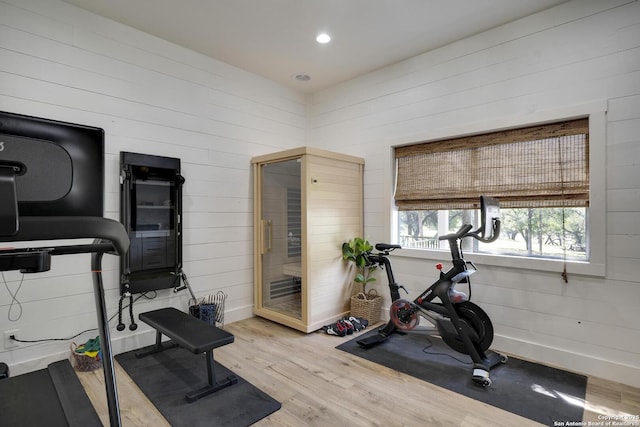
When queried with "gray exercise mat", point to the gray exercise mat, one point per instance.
{"points": [[534, 391], [167, 376]]}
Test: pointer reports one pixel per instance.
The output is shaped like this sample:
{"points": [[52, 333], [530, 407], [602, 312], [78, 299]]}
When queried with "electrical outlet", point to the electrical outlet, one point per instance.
{"points": [[8, 342]]}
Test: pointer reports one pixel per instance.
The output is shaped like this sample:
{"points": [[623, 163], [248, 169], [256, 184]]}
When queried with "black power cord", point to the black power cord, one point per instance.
{"points": [[14, 338], [437, 353]]}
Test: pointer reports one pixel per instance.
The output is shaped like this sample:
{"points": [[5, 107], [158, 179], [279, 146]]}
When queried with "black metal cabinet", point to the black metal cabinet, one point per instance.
{"points": [[151, 211]]}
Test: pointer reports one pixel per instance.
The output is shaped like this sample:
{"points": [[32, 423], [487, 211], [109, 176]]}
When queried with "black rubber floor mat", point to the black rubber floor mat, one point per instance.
{"points": [[166, 377], [534, 391]]}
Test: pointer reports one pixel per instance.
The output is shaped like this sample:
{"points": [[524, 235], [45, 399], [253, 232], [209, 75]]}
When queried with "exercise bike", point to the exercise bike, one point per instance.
{"points": [[461, 324]]}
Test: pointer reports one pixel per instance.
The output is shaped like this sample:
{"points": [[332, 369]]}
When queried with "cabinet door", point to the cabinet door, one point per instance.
{"points": [[154, 253], [152, 223], [150, 209], [153, 207], [281, 242]]}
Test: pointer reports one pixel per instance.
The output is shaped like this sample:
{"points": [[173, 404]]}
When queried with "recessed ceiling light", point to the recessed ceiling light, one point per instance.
{"points": [[323, 38]]}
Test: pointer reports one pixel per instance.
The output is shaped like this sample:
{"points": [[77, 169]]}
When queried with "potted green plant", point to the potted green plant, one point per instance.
{"points": [[363, 304], [356, 250]]}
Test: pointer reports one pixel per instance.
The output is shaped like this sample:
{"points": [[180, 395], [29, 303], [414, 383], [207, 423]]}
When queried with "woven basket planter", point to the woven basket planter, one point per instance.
{"points": [[367, 306]]}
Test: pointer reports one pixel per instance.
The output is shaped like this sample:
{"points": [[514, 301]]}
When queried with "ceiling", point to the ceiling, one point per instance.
{"points": [[276, 38]]}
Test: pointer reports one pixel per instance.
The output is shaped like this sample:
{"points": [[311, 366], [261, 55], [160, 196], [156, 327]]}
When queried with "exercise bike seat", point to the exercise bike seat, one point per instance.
{"points": [[386, 246]]}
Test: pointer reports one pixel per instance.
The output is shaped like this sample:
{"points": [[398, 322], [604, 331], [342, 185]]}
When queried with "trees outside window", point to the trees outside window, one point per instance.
{"points": [[534, 232]]}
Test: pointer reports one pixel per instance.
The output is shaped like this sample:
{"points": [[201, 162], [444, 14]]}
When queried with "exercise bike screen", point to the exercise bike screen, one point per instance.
{"points": [[490, 211]]}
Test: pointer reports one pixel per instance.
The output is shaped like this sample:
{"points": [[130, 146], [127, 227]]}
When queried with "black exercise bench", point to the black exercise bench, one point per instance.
{"points": [[192, 334]]}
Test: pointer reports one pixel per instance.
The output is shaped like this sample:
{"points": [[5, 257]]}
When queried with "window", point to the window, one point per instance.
{"points": [[531, 232], [540, 175]]}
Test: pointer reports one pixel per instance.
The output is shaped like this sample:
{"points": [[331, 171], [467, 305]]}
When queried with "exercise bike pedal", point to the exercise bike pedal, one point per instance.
{"points": [[381, 336], [372, 341]]}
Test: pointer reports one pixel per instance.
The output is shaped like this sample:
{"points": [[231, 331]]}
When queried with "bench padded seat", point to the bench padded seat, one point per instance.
{"points": [[187, 331]]}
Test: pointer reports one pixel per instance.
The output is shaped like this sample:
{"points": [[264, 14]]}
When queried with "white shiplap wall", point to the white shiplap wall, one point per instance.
{"points": [[582, 56], [59, 62]]}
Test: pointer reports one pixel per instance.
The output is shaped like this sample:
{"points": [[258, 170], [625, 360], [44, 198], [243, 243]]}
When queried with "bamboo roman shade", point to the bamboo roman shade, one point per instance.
{"points": [[538, 166]]}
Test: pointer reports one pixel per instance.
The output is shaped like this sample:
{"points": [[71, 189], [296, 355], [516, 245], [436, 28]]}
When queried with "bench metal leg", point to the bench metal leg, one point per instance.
{"points": [[213, 384], [157, 348]]}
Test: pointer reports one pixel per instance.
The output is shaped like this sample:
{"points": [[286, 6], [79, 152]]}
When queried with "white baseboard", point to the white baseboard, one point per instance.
{"points": [[569, 361], [121, 342], [37, 363]]}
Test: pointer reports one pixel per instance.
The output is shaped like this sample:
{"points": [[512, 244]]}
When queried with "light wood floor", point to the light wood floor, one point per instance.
{"points": [[321, 386]]}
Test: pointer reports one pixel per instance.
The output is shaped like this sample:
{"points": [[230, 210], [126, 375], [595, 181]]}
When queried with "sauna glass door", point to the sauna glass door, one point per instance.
{"points": [[281, 242]]}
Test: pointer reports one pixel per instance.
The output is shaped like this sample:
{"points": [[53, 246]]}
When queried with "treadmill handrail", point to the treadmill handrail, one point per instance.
{"points": [[70, 227]]}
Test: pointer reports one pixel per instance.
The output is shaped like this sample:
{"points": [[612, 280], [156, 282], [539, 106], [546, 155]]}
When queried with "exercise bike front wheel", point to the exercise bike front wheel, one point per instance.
{"points": [[476, 319], [403, 315]]}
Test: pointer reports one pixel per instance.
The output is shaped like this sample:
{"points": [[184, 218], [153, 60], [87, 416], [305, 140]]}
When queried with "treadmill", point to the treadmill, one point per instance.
{"points": [[52, 188]]}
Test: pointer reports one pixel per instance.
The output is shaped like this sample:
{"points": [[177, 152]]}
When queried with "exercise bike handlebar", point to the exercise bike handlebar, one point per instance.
{"points": [[465, 231], [495, 233], [461, 233]]}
